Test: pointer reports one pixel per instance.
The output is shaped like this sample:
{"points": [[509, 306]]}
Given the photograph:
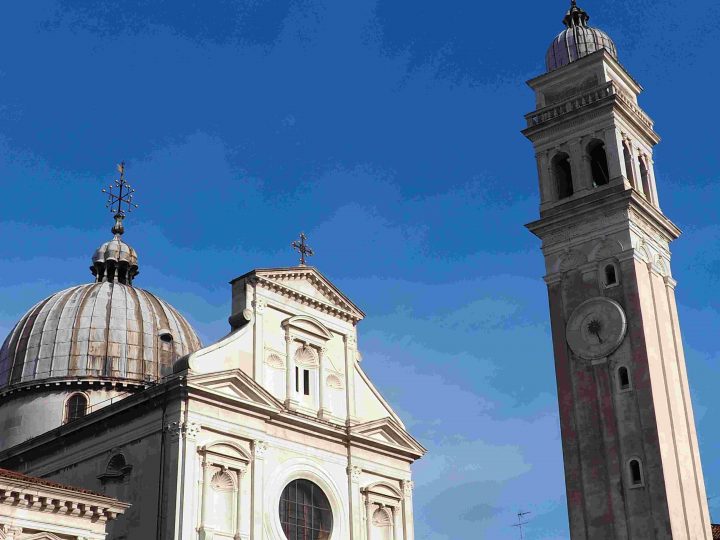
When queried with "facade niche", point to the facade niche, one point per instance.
{"points": [[598, 163], [117, 469], [562, 175]]}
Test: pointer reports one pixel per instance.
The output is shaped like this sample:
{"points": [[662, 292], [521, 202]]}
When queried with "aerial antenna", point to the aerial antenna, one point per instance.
{"points": [[521, 521]]}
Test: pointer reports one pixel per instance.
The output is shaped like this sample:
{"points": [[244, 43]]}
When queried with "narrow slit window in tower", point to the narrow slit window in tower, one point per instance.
{"points": [[598, 163], [297, 379], [562, 175], [636, 478], [623, 378], [306, 382], [610, 275]]}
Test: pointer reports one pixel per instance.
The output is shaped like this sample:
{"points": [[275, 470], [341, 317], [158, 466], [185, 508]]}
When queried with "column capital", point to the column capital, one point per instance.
{"points": [[354, 473], [260, 449], [407, 488], [178, 430], [259, 304], [241, 470]]}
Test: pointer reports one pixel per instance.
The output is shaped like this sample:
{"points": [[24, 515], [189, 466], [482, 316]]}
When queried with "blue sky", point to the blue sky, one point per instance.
{"points": [[389, 131]]}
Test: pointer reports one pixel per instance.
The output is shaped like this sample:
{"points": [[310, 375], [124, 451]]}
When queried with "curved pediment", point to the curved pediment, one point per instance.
{"points": [[308, 324]]}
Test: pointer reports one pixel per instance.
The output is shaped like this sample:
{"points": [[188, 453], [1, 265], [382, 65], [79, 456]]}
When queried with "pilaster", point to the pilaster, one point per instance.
{"points": [[258, 338], [354, 473], [407, 510], [258, 480], [350, 356]]}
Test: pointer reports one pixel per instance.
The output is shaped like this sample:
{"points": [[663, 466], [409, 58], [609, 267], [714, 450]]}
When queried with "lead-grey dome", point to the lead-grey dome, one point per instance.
{"points": [[105, 330], [577, 40]]}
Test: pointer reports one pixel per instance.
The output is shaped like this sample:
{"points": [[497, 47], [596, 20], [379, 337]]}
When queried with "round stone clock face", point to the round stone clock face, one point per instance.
{"points": [[596, 328]]}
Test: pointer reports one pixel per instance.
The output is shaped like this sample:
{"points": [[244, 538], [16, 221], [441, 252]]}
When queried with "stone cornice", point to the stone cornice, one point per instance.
{"points": [[181, 386], [40, 495], [606, 201]]}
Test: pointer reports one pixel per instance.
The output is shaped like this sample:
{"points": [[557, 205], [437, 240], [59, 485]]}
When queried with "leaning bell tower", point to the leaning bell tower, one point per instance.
{"points": [[632, 465]]}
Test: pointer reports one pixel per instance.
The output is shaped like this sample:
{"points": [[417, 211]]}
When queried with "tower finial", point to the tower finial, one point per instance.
{"points": [[575, 16], [125, 194], [303, 248]]}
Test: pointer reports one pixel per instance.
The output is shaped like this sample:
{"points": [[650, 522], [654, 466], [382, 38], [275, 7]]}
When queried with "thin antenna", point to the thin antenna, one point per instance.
{"points": [[521, 515]]}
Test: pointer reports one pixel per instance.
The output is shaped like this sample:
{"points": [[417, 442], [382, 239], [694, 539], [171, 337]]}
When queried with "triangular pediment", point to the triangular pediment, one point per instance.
{"points": [[387, 431], [307, 285], [237, 385]]}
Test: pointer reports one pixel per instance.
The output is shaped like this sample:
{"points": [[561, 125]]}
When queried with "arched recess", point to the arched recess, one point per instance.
{"points": [[222, 506], [645, 178], [562, 175], [629, 168], [117, 468], [598, 162]]}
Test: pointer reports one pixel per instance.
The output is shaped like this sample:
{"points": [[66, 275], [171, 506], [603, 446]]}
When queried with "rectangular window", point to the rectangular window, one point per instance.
{"points": [[297, 379], [306, 382]]}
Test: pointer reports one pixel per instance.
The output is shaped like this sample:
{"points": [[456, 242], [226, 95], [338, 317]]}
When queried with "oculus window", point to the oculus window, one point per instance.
{"points": [[305, 512]]}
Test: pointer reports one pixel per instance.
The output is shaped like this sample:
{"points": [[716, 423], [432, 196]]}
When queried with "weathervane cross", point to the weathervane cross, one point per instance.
{"points": [[115, 201], [302, 248]]}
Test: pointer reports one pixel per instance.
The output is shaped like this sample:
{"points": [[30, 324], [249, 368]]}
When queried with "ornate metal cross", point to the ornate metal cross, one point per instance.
{"points": [[124, 194], [115, 201], [303, 248]]}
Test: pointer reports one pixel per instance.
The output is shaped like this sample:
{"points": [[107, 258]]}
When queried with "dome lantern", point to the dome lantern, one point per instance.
{"points": [[577, 40], [116, 261]]}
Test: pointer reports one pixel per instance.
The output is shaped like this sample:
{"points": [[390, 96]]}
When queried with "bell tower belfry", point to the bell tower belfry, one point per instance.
{"points": [[632, 465]]}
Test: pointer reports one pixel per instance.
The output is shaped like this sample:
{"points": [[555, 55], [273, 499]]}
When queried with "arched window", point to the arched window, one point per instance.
{"points": [[629, 170], [305, 512], [75, 407], [635, 472], [598, 163], [623, 378], [562, 175], [611, 277], [645, 179]]}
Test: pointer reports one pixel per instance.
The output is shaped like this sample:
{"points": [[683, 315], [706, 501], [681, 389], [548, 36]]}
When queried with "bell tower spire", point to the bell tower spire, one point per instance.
{"points": [[632, 465]]}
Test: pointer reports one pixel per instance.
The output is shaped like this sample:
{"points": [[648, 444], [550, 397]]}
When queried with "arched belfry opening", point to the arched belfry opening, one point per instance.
{"points": [[598, 163], [562, 175]]}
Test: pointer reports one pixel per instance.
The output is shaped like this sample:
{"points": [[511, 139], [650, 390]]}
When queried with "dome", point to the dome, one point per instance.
{"points": [[577, 40], [105, 330]]}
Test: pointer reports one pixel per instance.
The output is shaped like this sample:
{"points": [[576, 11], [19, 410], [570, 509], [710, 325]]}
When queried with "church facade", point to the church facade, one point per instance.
{"points": [[272, 432], [632, 464]]}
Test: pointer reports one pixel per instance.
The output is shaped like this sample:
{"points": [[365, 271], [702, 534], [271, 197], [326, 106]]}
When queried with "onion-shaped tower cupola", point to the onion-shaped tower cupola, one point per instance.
{"points": [[577, 40]]}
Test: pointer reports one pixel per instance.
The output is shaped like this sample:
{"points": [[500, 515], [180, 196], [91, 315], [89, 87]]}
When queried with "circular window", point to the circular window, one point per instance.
{"points": [[305, 512]]}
